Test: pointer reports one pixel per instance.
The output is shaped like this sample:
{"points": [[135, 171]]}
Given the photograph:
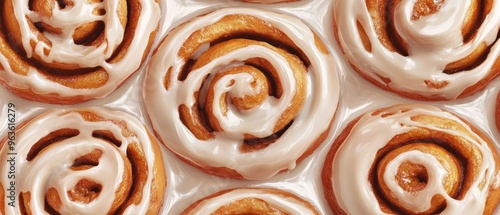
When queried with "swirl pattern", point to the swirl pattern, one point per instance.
{"points": [[234, 89], [251, 201], [71, 51], [426, 50], [82, 161], [418, 160]]}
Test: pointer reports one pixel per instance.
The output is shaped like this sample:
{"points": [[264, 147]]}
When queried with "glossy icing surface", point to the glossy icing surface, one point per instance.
{"points": [[52, 166], [62, 48], [372, 132], [223, 150], [186, 184], [434, 41]]}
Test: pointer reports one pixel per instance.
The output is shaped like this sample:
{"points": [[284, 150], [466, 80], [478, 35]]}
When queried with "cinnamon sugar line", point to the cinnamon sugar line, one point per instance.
{"points": [[312, 121], [351, 183], [63, 49], [434, 41], [51, 168]]}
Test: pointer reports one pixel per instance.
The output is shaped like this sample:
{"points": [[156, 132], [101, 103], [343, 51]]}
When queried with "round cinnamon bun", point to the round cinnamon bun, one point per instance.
{"points": [[425, 49], [232, 91], [81, 161], [412, 159], [251, 201], [67, 51]]}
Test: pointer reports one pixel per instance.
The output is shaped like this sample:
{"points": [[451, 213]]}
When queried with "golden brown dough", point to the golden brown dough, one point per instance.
{"points": [[410, 53], [229, 87], [49, 56], [251, 201], [405, 152], [85, 161]]}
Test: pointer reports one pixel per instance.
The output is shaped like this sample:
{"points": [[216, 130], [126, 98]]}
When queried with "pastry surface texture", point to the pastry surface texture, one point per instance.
{"points": [[83, 161], [408, 159], [233, 90], [67, 52], [425, 50], [251, 201]]}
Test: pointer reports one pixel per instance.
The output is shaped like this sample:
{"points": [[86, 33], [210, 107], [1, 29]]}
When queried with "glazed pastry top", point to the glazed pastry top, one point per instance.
{"points": [[53, 166], [373, 131], [434, 41], [62, 48], [322, 97]]}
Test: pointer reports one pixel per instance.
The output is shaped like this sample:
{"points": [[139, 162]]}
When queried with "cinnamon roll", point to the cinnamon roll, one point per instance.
{"points": [[426, 50], [233, 90], [81, 161], [412, 159], [251, 201], [67, 51]]}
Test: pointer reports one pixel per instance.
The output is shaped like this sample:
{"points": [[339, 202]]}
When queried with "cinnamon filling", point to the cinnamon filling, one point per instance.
{"points": [[425, 8], [85, 191], [414, 177], [231, 33], [51, 138], [87, 161]]}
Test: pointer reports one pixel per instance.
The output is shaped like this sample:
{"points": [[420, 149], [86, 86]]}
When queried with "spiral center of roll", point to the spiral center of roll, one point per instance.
{"points": [[416, 177], [243, 89], [412, 177], [425, 8], [85, 191], [430, 24]]}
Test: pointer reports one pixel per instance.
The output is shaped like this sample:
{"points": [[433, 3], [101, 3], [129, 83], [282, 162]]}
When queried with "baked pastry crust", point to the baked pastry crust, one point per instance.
{"points": [[404, 46], [86, 161], [67, 52], [416, 159], [251, 201], [231, 90]]}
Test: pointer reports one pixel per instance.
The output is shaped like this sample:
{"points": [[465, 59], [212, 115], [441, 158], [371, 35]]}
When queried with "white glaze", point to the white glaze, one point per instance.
{"points": [[65, 50], [51, 167], [434, 41], [222, 151], [421, 201], [288, 205], [371, 133]]}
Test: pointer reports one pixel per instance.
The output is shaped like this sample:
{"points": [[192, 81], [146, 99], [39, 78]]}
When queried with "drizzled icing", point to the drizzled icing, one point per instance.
{"points": [[223, 150], [286, 204], [63, 48], [51, 167], [433, 42], [351, 184]]}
